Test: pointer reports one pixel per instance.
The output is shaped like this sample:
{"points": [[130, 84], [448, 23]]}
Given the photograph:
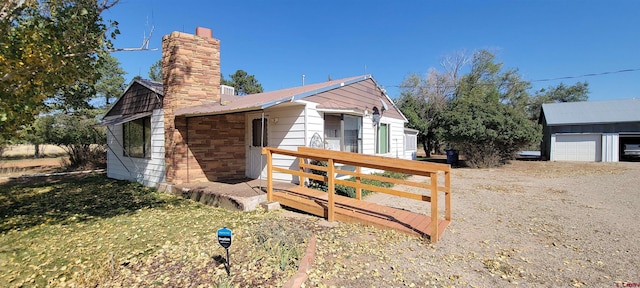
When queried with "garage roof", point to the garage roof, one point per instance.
{"points": [[592, 112]]}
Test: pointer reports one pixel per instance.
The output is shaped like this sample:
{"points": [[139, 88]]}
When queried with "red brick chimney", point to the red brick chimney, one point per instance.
{"points": [[190, 76]]}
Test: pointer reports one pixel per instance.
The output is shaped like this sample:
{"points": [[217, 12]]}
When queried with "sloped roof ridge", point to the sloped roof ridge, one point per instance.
{"points": [[153, 85]]}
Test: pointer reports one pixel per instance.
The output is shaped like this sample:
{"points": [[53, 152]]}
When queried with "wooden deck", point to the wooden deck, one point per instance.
{"points": [[352, 210]]}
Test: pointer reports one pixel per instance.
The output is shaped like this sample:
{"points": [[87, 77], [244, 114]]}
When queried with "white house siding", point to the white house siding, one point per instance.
{"points": [[368, 136], [397, 138], [286, 131], [149, 172], [315, 123], [610, 147]]}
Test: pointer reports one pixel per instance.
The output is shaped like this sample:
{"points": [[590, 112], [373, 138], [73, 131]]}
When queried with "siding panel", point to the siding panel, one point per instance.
{"points": [[149, 172]]}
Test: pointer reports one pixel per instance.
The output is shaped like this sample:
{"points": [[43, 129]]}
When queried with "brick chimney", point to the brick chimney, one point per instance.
{"points": [[190, 76]]}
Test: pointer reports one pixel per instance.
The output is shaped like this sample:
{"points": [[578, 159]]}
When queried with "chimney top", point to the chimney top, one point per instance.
{"points": [[204, 32]]}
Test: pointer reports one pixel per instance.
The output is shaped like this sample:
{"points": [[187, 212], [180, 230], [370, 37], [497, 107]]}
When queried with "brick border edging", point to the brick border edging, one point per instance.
{"points": [[305, 264]]}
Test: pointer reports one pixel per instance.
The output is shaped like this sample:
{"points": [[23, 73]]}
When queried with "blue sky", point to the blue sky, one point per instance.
{"points": [[279, 41]]}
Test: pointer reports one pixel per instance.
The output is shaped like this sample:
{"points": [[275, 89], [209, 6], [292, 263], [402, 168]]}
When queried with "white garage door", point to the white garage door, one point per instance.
{"points": [[578, 147]]}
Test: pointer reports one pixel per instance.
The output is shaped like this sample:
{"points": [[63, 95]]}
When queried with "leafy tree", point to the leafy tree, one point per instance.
{"points": [[423, 99], [155, 71], [486, 121], [72, 98], [243, 83], [557, 94], [45, 46], [74, 101], [34, 134], [78, 134], [416, 112], [111, 82]]}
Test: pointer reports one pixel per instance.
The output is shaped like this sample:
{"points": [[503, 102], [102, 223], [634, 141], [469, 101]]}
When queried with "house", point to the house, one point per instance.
{"points": [[590, 131], [190, 131], [135, 134]]}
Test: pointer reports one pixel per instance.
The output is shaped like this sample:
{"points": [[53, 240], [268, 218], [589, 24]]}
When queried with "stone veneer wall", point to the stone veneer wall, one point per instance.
{"points": [[191, 76], [217, 148]]}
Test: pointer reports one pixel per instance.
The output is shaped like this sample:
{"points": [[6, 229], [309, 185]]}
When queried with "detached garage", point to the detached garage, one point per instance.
{"points": [[590, 131]]}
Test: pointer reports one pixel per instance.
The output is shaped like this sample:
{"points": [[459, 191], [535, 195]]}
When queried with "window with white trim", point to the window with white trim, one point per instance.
{"points": [[410, 142], [343, 132]]}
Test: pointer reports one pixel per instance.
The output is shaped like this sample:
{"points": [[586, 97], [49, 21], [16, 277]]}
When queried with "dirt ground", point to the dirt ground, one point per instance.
{"points": [[18, 160], [530, 223]]}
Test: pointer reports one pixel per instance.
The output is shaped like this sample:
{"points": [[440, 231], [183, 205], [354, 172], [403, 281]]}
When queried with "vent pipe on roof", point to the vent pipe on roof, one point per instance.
{"points": [[302, 79]]}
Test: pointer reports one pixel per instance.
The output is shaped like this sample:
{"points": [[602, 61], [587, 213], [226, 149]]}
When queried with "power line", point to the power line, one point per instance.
{"points": [[587, 75], [568, 77]]}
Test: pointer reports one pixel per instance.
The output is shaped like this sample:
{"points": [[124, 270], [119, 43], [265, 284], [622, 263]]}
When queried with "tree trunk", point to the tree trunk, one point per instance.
{"points": [[426, 148], [36, 149]]}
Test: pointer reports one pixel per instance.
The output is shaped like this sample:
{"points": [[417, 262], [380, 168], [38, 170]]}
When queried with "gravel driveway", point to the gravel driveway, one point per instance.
{"points": [[530, 223]]}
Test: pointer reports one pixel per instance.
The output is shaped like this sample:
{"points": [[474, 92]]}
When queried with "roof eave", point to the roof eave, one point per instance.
{"points": [[589, 123]]}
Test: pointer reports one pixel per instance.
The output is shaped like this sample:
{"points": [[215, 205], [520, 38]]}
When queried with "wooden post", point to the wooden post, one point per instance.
{"points": [[447, 196], [358, 189], [332, 187], [434, 208], [269, 174], [300, 163]]}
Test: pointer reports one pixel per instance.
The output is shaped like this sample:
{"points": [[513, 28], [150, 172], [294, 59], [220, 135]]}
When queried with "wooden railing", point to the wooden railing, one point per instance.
{"points": [[359, 161]]}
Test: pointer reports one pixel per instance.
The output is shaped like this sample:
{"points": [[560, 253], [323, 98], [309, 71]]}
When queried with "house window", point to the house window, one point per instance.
{"points": [[382, 146], [137, 138], [256, 131], [343, 133], [410, 142]]}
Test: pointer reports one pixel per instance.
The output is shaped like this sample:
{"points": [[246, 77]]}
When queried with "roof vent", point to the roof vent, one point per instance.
{"points": [[227, 90]]}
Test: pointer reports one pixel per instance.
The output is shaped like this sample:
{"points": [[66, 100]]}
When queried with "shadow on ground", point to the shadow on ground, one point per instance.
{"points": [[25, 203]]}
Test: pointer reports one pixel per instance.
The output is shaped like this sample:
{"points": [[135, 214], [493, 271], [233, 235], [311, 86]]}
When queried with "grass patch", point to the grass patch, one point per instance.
{"points": [[93, 231]]}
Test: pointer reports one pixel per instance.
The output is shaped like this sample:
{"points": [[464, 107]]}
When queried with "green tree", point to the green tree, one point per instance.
{"points": [[111, 82], [486, 121], [155, 71], [45, 46], [422, 99], [557, 94], [80, 136], [34, 135], [72, 98], [415, 111], [243, 83]]}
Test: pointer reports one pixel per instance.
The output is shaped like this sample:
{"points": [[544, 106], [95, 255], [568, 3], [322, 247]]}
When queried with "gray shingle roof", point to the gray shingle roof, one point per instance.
{"points": [[592, 112], [153, 85]]}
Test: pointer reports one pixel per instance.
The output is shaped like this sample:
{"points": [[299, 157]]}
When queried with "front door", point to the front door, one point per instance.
{"points": [[257, 138]]}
